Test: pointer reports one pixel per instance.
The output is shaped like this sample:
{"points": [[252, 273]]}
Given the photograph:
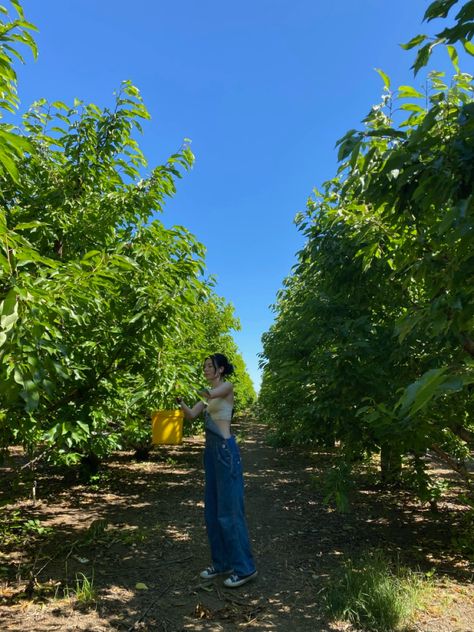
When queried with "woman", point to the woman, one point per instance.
{"points": [[224, 488]]}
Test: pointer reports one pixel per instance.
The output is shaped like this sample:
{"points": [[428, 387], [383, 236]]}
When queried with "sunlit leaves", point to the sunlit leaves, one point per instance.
{"points": [[461, 32], [407, 92], [373, 339], [385, 78], [14, 34], [102, 308], [415, 41]]}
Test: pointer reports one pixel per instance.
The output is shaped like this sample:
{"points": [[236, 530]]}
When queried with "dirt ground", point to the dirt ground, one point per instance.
{"points": [[138, 531]]}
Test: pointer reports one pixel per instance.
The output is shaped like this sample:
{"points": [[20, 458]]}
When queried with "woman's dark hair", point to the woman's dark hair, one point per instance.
{"points": [[219, 361]]}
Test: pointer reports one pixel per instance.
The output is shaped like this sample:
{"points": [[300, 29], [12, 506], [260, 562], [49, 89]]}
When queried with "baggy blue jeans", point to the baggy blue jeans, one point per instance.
{"points": [[224, 506]]}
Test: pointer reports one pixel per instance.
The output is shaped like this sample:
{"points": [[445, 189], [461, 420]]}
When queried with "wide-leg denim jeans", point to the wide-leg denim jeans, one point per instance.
{"points": [[224, 506]]}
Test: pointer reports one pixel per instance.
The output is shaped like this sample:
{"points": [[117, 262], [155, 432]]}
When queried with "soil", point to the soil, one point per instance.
{"points": [[137, 531]]}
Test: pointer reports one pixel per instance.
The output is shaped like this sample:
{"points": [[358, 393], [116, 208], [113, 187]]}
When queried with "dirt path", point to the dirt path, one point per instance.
{"points": [[143, 524]]}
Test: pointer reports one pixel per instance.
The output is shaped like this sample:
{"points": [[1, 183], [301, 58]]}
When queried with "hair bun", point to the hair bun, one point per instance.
{"points": [[221, 361]]}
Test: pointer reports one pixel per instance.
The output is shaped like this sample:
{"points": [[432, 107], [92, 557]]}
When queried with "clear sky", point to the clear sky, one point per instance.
{"points": [[263, 88]]}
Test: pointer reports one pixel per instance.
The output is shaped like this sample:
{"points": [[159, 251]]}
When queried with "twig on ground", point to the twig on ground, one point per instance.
{"points": [[178, 561], [247, 623], [143, 615]]}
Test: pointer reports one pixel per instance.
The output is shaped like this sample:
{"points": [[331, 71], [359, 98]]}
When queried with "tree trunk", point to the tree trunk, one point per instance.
{"points": [[390, 464]]}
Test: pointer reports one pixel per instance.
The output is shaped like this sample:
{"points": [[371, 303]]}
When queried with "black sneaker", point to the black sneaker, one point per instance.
{"points": [[210, 572], [234, 581]]}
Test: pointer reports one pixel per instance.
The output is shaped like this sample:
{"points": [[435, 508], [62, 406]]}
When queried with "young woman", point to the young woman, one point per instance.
{"points": [[224, 488]]}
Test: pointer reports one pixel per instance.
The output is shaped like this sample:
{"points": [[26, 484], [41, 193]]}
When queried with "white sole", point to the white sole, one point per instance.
{"points": [[242, 581]]}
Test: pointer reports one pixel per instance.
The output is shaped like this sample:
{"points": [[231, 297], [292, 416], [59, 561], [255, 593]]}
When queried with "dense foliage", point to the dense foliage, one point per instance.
{"points": [[105, 313], [373, 342]]}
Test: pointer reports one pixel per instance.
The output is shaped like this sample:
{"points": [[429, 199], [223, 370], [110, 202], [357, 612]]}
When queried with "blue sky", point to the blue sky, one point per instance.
{"points": [[263, 88]]}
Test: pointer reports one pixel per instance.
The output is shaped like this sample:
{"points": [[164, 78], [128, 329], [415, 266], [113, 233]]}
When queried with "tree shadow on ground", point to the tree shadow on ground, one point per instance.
{"points": [[142, 523]]}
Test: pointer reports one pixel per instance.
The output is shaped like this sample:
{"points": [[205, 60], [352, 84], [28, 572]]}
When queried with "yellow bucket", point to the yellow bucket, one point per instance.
{"points": [[167, 427]]}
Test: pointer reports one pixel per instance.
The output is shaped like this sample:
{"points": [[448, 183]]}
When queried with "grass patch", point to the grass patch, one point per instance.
{"points": [[84, 591], [373, 595]]}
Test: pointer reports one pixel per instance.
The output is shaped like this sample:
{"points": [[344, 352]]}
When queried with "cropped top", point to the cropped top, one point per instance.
{"points": [[218, 415], [220, 409]]}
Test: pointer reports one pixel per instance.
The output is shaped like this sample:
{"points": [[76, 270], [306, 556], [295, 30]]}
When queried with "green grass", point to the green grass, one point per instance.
{"points": [[372, 595], [83, 591]]}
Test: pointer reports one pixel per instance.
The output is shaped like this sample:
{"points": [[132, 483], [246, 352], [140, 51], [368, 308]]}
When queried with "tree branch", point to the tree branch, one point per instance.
{"points": [[467, 344], [454, 465], [464, 434]]}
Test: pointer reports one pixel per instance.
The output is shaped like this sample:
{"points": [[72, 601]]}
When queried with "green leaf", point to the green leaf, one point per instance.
{"points": [[405, 92], [418, 394], [9, 303], [18, 376], [7, 322], [9, 310], [385, 78], [84, 427], [469, 47], [414, 42], [18, 7], [386, 131], [60, 106], [8, 164], [412, 107], [28, 225], [438, 9], [431, 385], [406, 324], [91, 254], [453, 55], [424, 54]]}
